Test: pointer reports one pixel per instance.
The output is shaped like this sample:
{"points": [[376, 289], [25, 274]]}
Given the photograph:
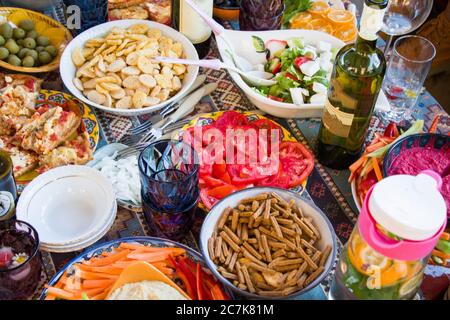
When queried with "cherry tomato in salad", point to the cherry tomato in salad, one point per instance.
{"points": [[301, 60], [275, 98]]}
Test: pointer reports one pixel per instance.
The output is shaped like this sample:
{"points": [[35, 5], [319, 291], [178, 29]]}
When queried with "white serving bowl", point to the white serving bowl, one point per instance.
{"points": [[243, 46], [68, 206], [68, 68], [328, 236]]}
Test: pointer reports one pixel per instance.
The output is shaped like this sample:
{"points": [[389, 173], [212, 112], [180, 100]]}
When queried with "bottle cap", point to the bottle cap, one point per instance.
{"points": [[410, 207]]}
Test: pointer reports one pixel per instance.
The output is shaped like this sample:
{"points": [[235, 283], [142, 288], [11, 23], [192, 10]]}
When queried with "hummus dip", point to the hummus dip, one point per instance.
{"points": [[146, 290], [415, 160]]}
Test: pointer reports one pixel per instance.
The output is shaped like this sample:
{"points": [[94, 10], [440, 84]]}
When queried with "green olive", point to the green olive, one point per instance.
{"points": [[19, 33], [12, 46], [43, 41], [4, 53], [6, 31], [28, 62], [14, 60], [23, 53], [32, 34], [40, 48], [52, 50], [2, 40], [33, 53], [45, 57], [26, 25], [29, 43]]}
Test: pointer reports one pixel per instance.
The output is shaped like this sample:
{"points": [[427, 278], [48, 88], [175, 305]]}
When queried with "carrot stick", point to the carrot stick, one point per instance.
{"points": [[101, 296], [60, 293], [92, 292], [434, 124], [109, 260], [90, 284], [88, 275], [355, 166], [375, 146], [50, 297], [377, 169], [149, 257], [440, 254], [105, 269], [445, 236]]}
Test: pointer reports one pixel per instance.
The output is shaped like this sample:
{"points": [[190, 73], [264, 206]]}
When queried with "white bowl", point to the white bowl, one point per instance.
{"points": [[68, 205], [243, 46], [68, 68], [328, 236]]}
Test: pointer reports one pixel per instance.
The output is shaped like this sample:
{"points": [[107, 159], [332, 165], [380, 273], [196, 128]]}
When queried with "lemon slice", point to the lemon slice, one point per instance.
{"points": [[410, 286]]}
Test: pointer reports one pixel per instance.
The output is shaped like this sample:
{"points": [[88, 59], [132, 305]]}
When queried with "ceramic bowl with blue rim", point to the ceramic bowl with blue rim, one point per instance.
{"points": [[308, 208], [109, 246], [421, 140]]}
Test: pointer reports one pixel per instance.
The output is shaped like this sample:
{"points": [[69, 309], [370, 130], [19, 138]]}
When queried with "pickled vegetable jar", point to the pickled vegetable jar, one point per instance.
{"points": [[399, 225]]}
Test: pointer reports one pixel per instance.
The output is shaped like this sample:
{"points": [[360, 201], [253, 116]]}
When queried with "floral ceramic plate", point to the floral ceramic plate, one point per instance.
{"points": [[89, 123], [108, 246]]}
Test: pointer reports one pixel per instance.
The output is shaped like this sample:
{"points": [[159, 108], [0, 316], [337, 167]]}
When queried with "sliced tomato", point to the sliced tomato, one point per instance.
{"points": [[219, 169], [275, 98], [207, 200], [252, 173], [231, 119], [297, 162], [222, 191], [279, 180], [265, 124], [291, 76], [226, 178], [212, 182]]}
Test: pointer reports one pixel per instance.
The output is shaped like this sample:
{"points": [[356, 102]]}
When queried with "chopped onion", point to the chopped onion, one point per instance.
{"points": [[124, 176]]}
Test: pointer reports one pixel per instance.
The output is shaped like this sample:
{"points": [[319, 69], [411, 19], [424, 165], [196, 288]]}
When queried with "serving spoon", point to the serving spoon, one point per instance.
{"points": [[254, 77], [219, 31]]}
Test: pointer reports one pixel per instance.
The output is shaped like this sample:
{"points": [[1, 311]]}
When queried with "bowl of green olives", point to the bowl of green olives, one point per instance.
{"points": [[30, 42]]}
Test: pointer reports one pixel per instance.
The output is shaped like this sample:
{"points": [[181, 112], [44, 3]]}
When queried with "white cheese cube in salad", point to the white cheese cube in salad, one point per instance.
{"points": [[310, 68], [297, 95], [326, 65], [324, 46], [319, 87], [318, 98], [310, 52], [326, 56], [305, 92]]}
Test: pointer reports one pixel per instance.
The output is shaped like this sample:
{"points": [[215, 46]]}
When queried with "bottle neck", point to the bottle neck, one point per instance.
{"points": [[370, 24]]}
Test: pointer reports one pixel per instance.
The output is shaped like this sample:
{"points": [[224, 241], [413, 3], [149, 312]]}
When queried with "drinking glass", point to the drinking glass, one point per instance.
{"points": [[258, 15], [20, 282], [404, 16], [93, 12], [408, 68], [169, 187]]}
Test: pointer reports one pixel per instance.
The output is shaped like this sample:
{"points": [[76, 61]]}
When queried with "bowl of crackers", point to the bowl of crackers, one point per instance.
{"points": [[268, 243], [112, 67]]}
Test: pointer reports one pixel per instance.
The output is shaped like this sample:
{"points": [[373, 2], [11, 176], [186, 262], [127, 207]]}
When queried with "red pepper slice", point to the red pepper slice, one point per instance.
{"points": [[291, 76], [190, 277], [217, 293], [200, 292]]}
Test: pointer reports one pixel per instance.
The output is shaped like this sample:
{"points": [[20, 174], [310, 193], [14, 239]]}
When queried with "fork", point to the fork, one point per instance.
{"points": [[172, 123], [140, 129]]}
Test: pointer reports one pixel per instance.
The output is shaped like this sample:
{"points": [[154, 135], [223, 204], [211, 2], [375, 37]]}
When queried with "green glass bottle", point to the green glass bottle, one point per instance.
{"points": [[354, 87]]}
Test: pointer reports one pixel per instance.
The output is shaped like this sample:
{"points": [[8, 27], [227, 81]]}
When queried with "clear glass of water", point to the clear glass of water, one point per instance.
{"points": [[405, 16], [408, 68]]}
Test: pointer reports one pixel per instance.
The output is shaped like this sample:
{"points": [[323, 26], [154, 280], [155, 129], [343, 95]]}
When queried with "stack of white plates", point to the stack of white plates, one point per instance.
{"points": [[71, 207]]}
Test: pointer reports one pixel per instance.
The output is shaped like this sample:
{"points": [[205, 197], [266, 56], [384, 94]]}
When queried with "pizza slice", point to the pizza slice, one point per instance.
{"points": [[23, 161], [48, 130], [77, 151], [18, 94]]}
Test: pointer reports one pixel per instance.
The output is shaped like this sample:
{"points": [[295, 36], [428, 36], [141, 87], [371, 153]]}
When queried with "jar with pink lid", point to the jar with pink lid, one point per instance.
{"points": [[400, 223]]}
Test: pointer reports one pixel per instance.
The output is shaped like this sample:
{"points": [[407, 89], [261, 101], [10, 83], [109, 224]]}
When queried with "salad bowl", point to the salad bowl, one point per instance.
{"points": [[245, 45]]}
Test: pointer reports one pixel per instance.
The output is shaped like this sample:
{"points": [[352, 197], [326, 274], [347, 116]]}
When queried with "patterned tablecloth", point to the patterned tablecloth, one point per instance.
{"points": [[327, 188]]}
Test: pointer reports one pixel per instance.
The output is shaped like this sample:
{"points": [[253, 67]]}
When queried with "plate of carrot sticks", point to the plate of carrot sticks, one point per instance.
{"points": [[91, 275]]}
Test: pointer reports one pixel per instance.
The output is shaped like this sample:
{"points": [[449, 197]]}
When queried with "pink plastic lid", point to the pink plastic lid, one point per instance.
{"points": [[408, 250]]}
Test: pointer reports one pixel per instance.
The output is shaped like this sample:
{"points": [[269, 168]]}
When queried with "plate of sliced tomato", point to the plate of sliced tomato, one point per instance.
{"points": [[286, 166]]}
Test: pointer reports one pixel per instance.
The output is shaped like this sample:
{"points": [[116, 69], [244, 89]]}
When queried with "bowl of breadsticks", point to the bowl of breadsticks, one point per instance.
{"points": [[268, 243]]}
